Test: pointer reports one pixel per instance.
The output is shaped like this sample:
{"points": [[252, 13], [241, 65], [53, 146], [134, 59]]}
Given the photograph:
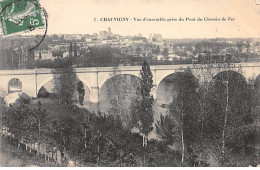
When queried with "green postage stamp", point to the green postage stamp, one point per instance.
{"points": [[20, 15]]}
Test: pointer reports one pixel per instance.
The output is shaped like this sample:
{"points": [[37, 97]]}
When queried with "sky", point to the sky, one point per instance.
{"points": [[77, 17]]}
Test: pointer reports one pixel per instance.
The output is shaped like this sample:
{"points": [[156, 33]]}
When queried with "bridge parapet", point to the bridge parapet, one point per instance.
{"points": [[126, 68]]}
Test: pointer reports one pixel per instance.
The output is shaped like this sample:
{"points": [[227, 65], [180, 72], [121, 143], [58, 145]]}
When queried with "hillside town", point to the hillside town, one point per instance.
{"points": [[126, 50]]}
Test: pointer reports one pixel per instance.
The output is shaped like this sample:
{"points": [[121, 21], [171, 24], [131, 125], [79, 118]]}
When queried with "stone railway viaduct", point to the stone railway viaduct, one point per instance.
{"points": [[95, 77]]}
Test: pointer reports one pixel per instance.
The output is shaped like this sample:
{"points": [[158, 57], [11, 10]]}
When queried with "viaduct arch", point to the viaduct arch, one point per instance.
{"points": [[94, 78]]}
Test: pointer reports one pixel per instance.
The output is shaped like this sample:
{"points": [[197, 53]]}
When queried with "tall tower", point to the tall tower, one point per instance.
{"points": [[109, 31], [151, 38]]}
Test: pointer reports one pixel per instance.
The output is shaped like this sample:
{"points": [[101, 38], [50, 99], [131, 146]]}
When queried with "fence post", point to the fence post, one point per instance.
{"points": [[30, 148], [59, 161], [45, 154]]}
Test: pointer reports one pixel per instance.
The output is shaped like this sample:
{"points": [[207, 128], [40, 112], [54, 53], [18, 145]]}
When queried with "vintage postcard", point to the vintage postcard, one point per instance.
{"points": [[119, 83]]}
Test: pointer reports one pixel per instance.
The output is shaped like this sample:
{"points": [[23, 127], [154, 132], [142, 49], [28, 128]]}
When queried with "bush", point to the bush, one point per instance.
{"points": [[23, 99]]}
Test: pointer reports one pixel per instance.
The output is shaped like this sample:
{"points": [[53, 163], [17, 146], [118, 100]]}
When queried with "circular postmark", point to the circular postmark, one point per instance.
{"points": [[24, 19]]}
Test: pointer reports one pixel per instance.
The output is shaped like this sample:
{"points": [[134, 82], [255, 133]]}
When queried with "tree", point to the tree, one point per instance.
{"points": [[40, 55], [143, 111], [138, 50], [180, 125], [81, 91], [61, 133], [232, 104], [156, 50], [31, 59], [201, 146], [165, 53], [65, 82], [39, 121], [70, 50], [15, 119], [75, 50], [226, 116], [122, 92], [102, 57], [110, 143], [85, 123]]}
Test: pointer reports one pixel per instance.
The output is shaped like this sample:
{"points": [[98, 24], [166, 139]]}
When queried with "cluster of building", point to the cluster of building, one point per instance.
{"points": [[154, 47]]}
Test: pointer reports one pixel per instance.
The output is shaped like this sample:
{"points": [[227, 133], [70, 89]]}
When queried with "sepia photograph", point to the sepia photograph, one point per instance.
{"points": [[119, 83]]}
